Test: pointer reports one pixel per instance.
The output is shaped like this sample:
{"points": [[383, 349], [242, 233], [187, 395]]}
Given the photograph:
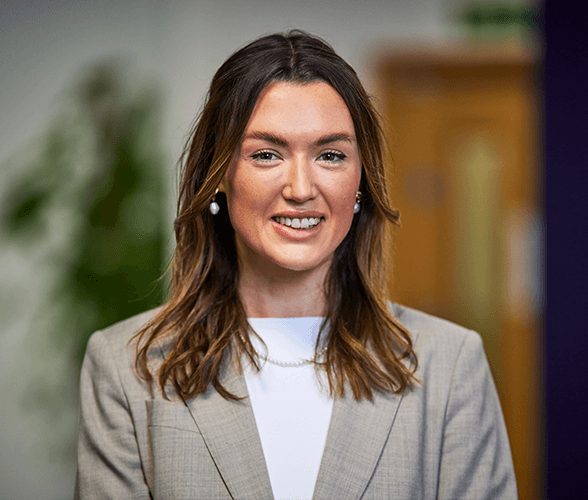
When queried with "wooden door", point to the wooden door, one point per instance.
{"points": [[463, 126]]}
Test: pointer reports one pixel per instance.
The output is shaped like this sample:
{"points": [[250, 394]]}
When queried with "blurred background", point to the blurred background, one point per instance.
{"points": [[96, 99]]}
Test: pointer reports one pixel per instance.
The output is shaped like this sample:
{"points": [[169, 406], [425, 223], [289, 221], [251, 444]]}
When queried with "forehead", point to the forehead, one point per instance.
{"points": [[292, 107]]}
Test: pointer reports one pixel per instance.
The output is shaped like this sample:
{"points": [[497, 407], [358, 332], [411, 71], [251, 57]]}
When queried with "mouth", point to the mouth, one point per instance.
{"points": [[298, 223]]}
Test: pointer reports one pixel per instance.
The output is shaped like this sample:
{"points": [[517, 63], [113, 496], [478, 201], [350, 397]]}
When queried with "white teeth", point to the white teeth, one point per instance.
{"points": [[305, 223]]}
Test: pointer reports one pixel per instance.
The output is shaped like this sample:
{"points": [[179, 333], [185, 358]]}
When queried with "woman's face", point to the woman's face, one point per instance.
{"points": [[292, 184]]}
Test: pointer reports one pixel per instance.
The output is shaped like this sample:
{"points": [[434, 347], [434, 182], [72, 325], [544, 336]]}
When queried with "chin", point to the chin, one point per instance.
{"points": [[301, 264]]}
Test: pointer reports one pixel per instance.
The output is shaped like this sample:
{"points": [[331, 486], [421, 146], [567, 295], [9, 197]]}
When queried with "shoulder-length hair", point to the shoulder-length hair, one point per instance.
{"points": [[367, 348]]}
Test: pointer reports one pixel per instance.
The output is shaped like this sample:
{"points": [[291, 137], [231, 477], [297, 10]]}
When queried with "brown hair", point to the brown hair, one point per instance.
{"points": [[204, 316]]}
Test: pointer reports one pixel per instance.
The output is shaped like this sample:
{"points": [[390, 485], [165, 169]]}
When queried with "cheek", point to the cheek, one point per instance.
{"points": [[238, 189], [347, 219], [240, 207], [346, 195], [345, 205], [344, 211], [247, 206]]}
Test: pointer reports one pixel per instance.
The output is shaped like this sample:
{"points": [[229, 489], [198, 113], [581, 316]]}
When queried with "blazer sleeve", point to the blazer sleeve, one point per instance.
{"points": [[109, 464], [475, 460]]}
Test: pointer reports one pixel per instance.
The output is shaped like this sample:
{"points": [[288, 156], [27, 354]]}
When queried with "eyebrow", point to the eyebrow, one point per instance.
{"points": [[268, 137], [328, 139], [279, 141]]}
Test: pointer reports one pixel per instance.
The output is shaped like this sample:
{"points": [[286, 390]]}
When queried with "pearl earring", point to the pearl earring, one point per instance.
{"points": [[214, 208], [357, 207]]}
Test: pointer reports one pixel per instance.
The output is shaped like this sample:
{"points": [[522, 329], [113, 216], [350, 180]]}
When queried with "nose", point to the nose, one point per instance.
{"points": [[299, 183]]}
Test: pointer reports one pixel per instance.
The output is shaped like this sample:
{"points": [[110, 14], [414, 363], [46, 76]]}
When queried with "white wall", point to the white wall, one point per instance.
{"points": [[202, 34], [44, 46]]}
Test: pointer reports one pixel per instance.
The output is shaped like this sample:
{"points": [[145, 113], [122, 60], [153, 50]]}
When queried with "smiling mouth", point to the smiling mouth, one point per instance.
{"points": [[297, 223]]}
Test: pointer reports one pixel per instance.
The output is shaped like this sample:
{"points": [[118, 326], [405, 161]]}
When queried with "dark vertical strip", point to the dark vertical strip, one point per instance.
{"points": [[566, 191]]}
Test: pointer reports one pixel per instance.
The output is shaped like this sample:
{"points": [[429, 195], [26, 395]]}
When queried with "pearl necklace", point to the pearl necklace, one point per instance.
{"points": [[293, 364], [290, 364]]}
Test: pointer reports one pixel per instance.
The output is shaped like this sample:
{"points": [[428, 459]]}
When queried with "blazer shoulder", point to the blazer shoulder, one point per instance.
{"points": [[115, 344], [111, 354], [119, 334], [430, 332]]}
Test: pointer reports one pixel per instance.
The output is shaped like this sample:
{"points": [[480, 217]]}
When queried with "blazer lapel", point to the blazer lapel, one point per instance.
{"points": [[357, 434], [230, 433]]}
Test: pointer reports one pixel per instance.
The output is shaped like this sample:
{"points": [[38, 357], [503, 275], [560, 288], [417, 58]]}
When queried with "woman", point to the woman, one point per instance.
{"points": [[277, 368]]}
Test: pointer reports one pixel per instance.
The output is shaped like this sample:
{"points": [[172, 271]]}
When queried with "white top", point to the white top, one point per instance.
{"points": [[291, 409]]}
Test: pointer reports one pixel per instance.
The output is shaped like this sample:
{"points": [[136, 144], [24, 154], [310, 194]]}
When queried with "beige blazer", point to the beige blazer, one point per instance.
{"points": [[445, 439]]}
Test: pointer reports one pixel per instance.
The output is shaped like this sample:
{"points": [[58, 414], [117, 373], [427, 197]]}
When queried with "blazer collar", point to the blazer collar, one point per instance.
{"points": [[357, 434]]}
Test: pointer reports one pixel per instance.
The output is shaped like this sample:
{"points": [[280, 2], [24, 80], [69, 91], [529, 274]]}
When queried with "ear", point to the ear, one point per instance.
{"points": [[222, 186]]}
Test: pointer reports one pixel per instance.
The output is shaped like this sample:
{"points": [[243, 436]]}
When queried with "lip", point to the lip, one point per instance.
{"points": [[297, 234], [299, 215]]}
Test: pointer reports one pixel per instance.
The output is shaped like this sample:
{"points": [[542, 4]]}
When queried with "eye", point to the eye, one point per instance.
{"points": [[265, 156], [332, 156]]}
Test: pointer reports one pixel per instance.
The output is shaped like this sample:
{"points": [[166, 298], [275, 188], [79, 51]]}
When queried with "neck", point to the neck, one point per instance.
{"points": [[283, 294]]}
